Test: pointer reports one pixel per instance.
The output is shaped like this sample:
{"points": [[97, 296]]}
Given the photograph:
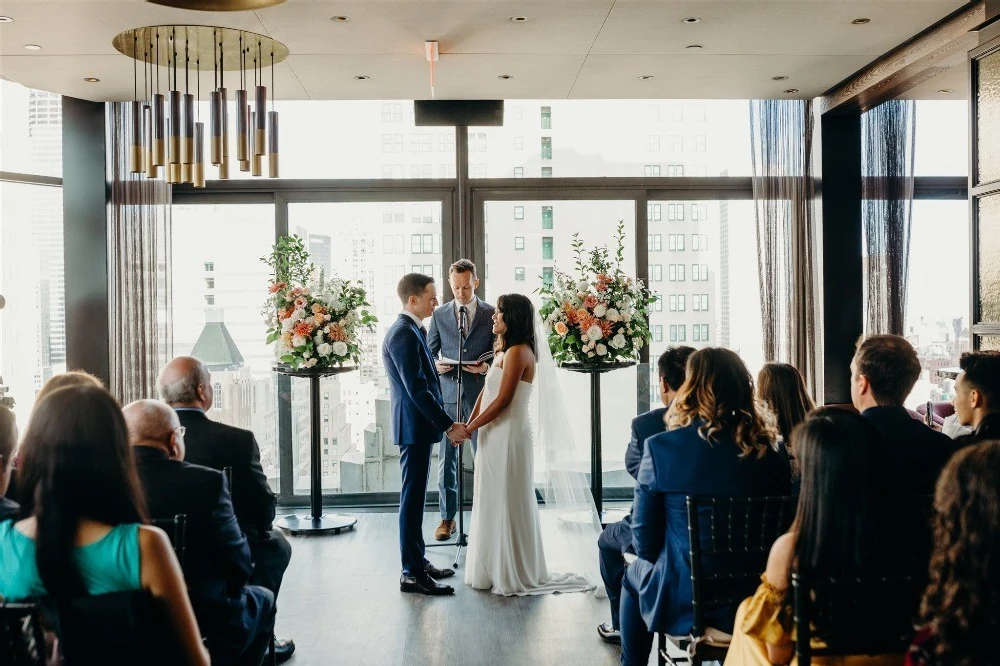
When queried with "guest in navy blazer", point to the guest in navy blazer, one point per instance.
{"points": [[616, 539], [418, 421], [717, 443]]}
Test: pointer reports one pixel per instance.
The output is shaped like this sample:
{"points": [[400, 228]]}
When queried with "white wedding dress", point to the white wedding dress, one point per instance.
{"points": [[505, 551]]}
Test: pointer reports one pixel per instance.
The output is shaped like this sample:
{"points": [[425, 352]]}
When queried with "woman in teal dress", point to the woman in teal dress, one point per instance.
{"points": [[84, 533]]}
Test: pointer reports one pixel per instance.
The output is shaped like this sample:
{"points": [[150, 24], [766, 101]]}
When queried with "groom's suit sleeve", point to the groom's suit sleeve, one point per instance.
{"points": [[405, 354]]}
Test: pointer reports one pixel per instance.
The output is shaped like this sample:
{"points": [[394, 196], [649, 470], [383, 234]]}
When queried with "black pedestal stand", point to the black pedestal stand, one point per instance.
{"points": [[316, 522], [596, 470], [462, 540]]}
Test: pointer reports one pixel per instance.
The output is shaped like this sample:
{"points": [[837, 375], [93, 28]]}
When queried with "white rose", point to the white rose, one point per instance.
{"points": [[298, 315], [621, 305], [340, 348], [324, 349], [595, 332], [612, 315], [582, 285], [618, 342], [306, 354], [287, 325], [590, 354], [310, 363], [600, 310], [602, 350], [298, 341]]}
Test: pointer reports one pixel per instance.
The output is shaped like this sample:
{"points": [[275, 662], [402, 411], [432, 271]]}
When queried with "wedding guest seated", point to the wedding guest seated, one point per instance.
{"points": [[54, 383], [8, 443], [83, 534], [716, 444], [961, 607], [883, 372], [846, 470], [236, 618], [186, 385], [781, 387], [977, 396], [616, 539]]}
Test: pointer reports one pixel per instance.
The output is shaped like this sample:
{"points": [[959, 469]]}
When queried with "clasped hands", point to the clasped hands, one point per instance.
{"points": [[458, 433], [477, 369]]}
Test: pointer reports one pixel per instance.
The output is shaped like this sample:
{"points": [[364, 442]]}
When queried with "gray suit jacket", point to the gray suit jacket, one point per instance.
{"points": [[442, 338]]}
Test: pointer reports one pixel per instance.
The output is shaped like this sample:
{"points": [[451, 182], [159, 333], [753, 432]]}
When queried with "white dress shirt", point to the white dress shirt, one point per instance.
{"points": [[471, 308]]}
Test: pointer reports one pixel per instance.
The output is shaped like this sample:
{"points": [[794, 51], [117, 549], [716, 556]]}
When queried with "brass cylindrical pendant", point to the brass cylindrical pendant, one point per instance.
{"points": [[260, 124], [272, 144], [242, 138], [159, 130], [174, 173], [224, 169], [187, 173], [135, 141], [187, 135], [216, 127], [174, 139], [147, 141], [199, 155], [245, 164], [225, 123], [256, 159]]}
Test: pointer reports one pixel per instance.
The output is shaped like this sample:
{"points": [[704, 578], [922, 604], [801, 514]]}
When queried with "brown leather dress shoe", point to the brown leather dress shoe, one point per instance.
{"points": [[444, 530]]}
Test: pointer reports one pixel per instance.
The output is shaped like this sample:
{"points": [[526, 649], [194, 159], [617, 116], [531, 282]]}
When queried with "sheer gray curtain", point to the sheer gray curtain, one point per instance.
{"points": [[887, 148], [783, 190], [139, 268]]}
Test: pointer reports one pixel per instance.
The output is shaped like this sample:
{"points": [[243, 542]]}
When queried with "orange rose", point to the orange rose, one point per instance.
{"points": [[276, 287], [318, 309], [602, 286], [570, 313], [319, 320], [286, 313], [303, 328], [590, 302], [561, 328]]}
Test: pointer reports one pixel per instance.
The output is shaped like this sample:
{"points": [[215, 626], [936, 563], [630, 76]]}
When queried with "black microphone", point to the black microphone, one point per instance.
{"points": [[463, 321]]}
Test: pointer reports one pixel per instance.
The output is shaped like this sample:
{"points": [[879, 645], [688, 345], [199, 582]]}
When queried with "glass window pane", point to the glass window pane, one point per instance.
{"points": [[942, 138], [988, 125], [30, 130], [32, 281], [231, 239], [363, 458], [699, 137]]}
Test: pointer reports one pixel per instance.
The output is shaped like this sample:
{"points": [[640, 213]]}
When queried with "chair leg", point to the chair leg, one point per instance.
{"points": [[271, 659], [661, 647]]}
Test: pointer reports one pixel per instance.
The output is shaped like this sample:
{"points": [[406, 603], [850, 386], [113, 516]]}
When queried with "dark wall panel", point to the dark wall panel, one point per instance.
{"points": [[86, 237]]}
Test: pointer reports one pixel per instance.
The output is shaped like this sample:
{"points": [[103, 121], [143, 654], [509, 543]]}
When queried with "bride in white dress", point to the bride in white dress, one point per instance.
{"points": [[505, 551]]}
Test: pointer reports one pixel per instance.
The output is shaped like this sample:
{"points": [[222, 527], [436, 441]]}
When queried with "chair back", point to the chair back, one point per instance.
{"points": [[731, 538], [176, 529], [228, 471], [854, 616], [22, 641], [116, 628]]}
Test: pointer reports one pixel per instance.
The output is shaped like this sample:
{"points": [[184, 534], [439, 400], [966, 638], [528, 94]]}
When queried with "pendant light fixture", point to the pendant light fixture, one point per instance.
{"points": [[147, 116], [224, 103], [159, 115], [174, 138], [187, 128], [260, 126], [242, 120], [272, 137], [135, 118], [199, 134]]}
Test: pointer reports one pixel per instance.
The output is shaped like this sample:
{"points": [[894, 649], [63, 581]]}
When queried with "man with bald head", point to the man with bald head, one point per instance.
{"points": [[186, 385], [235, 617]]}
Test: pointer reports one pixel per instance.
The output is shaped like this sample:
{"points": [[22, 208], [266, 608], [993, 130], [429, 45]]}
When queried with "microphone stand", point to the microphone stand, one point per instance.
{"points": [[462, 541]]}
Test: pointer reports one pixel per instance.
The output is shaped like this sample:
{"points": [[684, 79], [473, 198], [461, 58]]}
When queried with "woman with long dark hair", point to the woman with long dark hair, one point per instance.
{"points": [[961, 607], [845, 525], [84, 533], [717, 443], [505, 547], [781, 387]]}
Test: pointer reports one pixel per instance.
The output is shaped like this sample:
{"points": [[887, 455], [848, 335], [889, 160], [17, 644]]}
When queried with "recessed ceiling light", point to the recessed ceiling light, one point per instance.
{"points": [[861, 21], [694, 47], [791, 91], [505, 77], [340, 19], [519, 19], [33, 47], [645, 77], [691, 20], [780, 77], [945, 91], [362, 77], [6, 19], [92, 79]]}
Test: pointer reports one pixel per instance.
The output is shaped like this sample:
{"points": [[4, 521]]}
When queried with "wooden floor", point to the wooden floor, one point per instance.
{"points": [[340, 602]]}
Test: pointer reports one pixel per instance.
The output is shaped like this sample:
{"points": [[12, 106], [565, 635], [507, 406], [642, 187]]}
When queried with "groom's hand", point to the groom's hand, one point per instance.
{"points": [[458, 433]]}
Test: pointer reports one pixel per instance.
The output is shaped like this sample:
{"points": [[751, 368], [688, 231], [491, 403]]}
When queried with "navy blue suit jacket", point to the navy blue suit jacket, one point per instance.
{"points": [[644, 426], [416, 403], [920, 453], [675, 464]]}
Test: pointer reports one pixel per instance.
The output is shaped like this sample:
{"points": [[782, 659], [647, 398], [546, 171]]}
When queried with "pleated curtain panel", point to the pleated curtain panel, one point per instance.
{"points": [[887, 151], [783, 191], [139, 246]]}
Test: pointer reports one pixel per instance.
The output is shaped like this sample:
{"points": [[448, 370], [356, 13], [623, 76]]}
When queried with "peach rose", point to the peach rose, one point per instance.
{"points": [[590, 302], [319, 319], [561, 328], [336, 333], [276, 287], [301, 302], [318, 309]]}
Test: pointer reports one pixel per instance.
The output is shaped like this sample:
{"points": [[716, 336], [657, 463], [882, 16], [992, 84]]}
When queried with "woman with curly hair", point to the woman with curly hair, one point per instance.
{"points": [[961, 607], [718, 442]]}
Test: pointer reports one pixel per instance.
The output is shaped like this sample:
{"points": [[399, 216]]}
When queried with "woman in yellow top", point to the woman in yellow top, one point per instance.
{"points": [[846, 524]]}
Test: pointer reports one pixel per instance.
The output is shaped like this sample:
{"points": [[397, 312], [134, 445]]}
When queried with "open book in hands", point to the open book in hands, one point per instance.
{"points": [[488, 356]]}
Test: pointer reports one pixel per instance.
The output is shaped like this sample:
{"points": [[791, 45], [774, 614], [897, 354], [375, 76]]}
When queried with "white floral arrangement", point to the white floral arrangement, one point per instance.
{"points": [[314, 321], [600, 315]]}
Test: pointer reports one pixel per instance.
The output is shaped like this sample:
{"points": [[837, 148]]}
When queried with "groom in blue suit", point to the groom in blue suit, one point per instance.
{"points": [[418, 422]]}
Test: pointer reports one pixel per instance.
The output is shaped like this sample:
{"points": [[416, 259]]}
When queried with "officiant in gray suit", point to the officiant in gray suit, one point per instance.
{"points": [[443, 338]]}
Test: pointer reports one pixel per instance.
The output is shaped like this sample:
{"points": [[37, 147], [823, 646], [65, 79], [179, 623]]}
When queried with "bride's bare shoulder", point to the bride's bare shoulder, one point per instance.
{"points": [[522, 352]]}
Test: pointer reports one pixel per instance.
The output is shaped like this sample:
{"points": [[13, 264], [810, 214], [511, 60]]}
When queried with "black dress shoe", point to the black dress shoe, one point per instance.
{"points": [[609, 634], [283, 649], [438, 574], [424, 584]]}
